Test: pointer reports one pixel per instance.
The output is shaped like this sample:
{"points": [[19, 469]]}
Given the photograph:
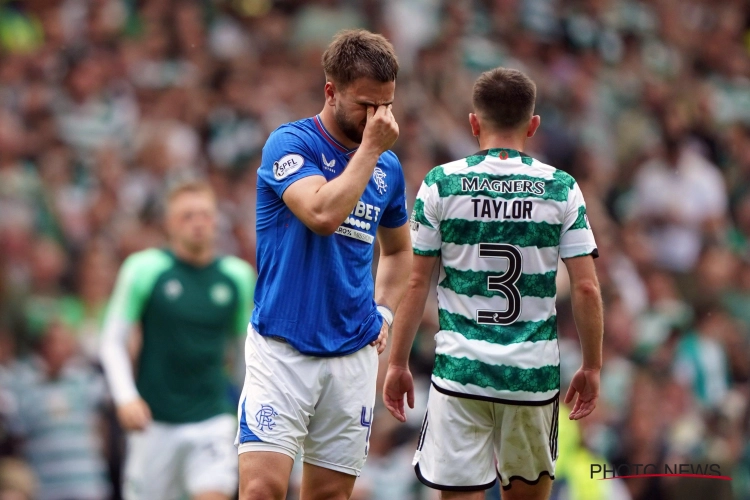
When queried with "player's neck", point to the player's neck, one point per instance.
{"points": [[196, 257], [329, 122], [501, 141]]}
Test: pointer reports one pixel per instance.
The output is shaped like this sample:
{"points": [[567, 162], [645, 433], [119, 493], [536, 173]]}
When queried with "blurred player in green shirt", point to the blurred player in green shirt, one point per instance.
{"points": [[188, 303]]}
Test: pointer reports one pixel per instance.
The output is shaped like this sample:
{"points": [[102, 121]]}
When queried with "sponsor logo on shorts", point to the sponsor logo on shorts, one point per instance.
{"points": [[264, 418]]}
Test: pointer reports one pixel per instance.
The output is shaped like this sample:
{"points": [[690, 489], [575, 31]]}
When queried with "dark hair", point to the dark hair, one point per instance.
{"points": [[357, 54], [505, 97]]}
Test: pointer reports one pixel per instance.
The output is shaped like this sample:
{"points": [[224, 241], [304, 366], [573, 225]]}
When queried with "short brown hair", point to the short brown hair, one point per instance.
{"points": [[192, 186], [357, 54], [505, 97]]}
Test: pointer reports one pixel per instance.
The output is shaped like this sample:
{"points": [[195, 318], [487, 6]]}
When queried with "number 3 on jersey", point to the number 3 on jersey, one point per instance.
{"points": [[505, 284]]}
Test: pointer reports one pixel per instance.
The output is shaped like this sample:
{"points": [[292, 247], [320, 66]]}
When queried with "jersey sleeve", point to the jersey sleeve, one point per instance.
{"points": [[132, 289], [425, 222], [135, 282], [286, 159], [576, 239], [395, 214], [244, 277]]}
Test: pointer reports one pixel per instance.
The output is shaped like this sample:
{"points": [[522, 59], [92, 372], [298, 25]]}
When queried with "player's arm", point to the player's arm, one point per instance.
{"points": [[324, 205], [398, 380], [426, 245], [578, 249], [244, 277], [587, 312], [390, 282], [133, 413]]}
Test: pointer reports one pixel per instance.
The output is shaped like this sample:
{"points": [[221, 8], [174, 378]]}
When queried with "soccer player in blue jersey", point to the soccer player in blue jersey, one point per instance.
{"points": [[327, 189]]}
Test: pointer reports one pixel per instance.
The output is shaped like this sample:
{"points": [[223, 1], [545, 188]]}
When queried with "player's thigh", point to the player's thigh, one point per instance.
{"points": [[520, 490], [278, 397], [212, 495], [320, 483], [455, 446], [526, 448], [462, 495], [152, 464], [339, 431], [264, 475], [211, 459]]}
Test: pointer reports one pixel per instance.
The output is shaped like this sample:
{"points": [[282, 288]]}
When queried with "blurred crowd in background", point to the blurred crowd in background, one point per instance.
{"points": [[104, 103]]}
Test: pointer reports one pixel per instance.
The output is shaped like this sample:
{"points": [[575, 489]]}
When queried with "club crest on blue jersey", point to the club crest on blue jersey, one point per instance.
{"points": [[265, 416], [379, 177]]}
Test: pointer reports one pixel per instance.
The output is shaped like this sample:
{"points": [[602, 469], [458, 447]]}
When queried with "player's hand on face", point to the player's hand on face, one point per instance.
{"points": [[382, 341], [134, 415], [586, 383], [381, 129], [398, 381]]}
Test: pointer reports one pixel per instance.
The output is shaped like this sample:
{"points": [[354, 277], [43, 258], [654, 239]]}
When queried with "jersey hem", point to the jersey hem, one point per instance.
{"points": [[320, 354], [426, 253], [495, 400], [594, 253], [441, 487]]}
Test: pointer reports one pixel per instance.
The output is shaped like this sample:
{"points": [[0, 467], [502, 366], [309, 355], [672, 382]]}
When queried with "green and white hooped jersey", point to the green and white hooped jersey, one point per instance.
{"points": [[499, 220]]}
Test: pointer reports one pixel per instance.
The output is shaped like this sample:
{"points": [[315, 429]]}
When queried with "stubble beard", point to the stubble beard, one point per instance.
{"points": [[349, 129]]}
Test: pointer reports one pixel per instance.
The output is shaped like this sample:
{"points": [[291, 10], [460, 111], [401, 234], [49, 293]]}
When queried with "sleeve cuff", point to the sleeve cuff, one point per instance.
{"points": [[579, 251]]}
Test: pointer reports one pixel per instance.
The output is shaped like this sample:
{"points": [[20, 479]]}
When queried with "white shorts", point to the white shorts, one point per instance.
{"points": [[322, 406], [465, 444], [169, 461]]}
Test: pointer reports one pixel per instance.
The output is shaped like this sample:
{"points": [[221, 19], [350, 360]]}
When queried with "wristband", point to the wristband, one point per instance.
{"points": [[387, 314]]}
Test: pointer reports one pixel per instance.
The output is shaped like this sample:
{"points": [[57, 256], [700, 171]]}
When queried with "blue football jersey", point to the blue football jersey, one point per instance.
{"points": [[317, 292]]}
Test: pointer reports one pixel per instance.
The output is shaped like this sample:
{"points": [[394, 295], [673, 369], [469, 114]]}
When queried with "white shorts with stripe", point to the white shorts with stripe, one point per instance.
{"points": [[321, 406], [465, 444]]}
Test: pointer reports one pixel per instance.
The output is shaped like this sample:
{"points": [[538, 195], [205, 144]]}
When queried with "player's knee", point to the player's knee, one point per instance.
{"points": [[262, 488]]}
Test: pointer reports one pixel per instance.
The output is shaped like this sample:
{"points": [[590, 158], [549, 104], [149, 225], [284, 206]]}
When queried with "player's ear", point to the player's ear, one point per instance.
{"points": [[330, 93], [534, 123], [474, 121]]}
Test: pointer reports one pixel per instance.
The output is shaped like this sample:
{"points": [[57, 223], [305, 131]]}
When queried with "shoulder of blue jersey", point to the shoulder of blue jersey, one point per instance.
{"points": [[390, 159], [288, 148], [299, 130]]}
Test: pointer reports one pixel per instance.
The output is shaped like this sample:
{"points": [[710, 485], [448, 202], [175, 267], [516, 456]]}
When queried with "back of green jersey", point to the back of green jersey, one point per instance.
{"points": [[499, 220]]}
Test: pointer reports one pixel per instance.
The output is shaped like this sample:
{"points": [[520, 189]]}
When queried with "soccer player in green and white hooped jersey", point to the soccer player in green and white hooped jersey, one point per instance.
{"points": [[497, 221], [188, 303]]}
